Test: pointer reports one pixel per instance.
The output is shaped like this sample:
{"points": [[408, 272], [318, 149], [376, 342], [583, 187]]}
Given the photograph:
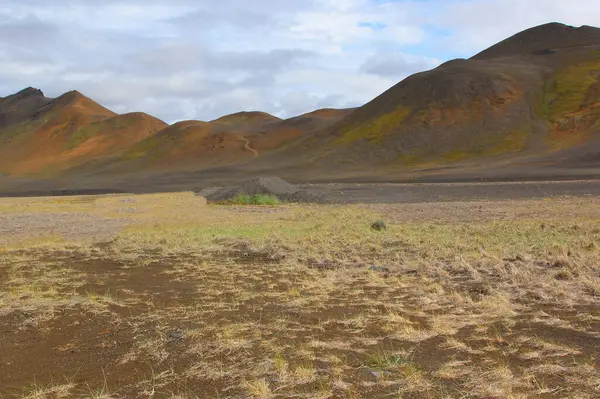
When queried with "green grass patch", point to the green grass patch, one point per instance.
{"points": [[83, 134], [153, 147], [256, 199], [386, 361], [93, 129]]}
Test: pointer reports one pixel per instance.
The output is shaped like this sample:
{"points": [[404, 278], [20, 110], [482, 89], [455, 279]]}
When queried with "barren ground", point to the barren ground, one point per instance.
{"points": [[376, 193], [124, 296]]}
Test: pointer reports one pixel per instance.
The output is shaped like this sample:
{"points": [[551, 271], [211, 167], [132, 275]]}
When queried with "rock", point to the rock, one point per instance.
{"points": [[379, 226], [275, 186], [372, 375], [380, 375], [175, 335]]}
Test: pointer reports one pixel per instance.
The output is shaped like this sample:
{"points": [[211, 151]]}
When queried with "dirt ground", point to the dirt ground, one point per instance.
{"points": [[349, 192], [358, 193], [164, 296]]}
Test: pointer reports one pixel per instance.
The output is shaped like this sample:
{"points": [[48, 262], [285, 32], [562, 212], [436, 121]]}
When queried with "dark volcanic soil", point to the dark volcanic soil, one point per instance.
{"points": [[160, 331], [349, 192], [445, 192]]}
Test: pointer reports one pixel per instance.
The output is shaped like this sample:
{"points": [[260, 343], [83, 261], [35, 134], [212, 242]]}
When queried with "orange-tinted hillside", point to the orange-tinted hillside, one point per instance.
{"points": [[43, 136], [74, 136], [196, 145]]}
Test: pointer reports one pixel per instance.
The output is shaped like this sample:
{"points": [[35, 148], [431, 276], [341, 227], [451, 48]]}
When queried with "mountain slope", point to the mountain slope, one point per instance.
{"points": [[510, 103], [229, 140], [21, 106], [543, 39], [527, 107], [247, 118], [74, 137], [39, 135]]}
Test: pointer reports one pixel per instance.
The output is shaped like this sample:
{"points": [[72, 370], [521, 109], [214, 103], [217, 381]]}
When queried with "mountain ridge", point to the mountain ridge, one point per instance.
{"points": [[532, 99]]}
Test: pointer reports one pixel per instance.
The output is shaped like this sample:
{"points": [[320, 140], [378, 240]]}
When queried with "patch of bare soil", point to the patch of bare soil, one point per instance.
{"points": [[87, 326], [70, 226], [393, 193]]}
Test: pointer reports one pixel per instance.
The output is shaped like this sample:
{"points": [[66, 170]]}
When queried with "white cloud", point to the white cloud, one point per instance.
{"points": [[397, 65]]}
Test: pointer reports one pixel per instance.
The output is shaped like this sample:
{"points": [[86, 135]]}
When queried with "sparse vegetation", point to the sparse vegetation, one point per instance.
{"points": [[52, 390], [256, 199], [495, 144], [184, 299], [568, 103], [86, 132], [385, 361], [567, 90], [376, 130]]}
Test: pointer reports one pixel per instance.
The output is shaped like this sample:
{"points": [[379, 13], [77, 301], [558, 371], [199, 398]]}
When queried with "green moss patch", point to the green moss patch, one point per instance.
{"points": [[567, 90], [96, 128], [376, 130], [256, 199]]}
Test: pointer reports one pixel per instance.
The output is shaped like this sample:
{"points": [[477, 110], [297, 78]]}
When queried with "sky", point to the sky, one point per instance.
{"points": [[201, 59]]}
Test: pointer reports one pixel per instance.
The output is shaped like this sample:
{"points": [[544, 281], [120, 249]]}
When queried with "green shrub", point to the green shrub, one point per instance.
{"points": [[256, 199]]}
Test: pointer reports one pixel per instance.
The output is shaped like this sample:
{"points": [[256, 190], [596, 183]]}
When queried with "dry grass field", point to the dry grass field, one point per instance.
{"points": [[164, 296]]}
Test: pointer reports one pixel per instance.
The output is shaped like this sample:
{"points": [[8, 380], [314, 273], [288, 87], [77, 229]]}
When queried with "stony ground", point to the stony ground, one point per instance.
{"points": [[360, 193], [164, 296]]}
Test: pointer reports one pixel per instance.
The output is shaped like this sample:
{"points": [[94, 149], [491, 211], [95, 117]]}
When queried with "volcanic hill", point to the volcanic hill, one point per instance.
{"points": [[527, 107], [77, 140], [42, 136]]}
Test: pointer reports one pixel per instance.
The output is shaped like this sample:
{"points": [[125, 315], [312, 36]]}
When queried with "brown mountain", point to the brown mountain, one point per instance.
{"points": [[527, 107], [229, 140], [531, 100], [42, 136], [77, 140], [247, 118], [541, 39]]}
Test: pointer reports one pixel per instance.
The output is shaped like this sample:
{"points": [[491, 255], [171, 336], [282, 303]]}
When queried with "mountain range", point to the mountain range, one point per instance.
{"points": [[525, 108]]}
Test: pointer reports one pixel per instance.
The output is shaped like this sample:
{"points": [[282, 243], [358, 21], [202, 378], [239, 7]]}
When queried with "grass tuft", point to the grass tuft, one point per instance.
{"points": [[386, 361], [58, 391], [256, 199], [258, 389]]}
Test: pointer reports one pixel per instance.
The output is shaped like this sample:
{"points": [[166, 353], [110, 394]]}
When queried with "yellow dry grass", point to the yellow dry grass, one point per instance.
{"points": [[284, 302]]}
